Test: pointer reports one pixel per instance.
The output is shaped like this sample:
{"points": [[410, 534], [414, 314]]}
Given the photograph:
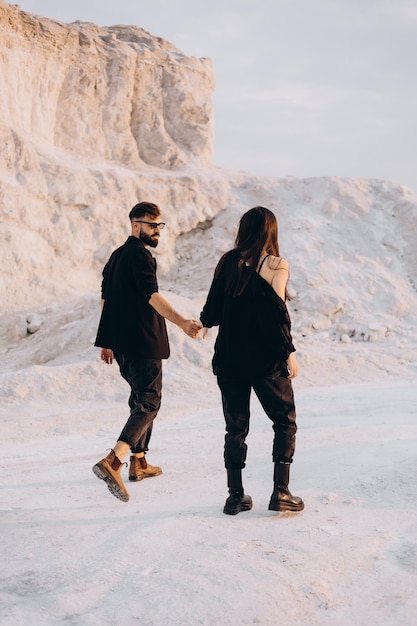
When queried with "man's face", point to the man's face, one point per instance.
{"points": [[146, 232]]}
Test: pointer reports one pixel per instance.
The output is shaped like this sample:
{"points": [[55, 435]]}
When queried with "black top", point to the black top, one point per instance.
{"points": [[129, 324], [255, 327]]}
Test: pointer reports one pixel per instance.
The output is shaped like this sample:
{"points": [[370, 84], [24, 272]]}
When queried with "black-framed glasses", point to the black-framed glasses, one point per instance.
{"points": [[153, 225]]}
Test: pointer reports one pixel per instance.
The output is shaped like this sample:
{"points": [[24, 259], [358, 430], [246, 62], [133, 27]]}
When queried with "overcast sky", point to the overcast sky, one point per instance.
{"points": [[303, 87]]}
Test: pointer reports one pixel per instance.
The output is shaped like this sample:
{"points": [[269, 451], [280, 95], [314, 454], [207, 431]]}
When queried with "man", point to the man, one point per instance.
{"points": [[132, 330]]}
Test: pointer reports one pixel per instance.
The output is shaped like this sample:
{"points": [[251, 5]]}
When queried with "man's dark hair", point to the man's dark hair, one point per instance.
{"points": [[144, 208]]}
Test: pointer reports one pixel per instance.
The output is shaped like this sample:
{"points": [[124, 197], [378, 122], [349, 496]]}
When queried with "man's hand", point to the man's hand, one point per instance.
{"points": [[106, 355], [191, 328], [292, 366]]}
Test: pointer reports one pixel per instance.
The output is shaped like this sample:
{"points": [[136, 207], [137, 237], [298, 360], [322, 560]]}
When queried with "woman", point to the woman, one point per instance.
{"points": [[254, 350]]}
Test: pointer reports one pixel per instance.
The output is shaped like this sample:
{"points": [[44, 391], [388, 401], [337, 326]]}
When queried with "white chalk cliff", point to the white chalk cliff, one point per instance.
{"points": [[93, 120]]}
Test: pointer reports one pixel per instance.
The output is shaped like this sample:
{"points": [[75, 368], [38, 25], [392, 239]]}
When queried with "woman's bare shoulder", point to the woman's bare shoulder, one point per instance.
{"points": [[278, 263]]}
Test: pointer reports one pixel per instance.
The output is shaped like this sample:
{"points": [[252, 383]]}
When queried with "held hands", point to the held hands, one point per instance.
{"points": [[191, 328], [106, 355]]}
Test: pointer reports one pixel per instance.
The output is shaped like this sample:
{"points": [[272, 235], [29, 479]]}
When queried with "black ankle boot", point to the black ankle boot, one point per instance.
{"points": [[237, 500], [282, 499]]}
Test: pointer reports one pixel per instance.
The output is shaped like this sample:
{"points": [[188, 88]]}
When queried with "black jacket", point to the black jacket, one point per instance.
{"points": [[254, 328], [129, 324]]}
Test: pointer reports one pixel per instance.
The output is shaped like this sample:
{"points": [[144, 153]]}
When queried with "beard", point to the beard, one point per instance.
{"points": [[149, 240]]}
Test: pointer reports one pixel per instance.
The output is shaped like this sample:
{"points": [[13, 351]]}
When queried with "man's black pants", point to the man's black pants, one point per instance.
{"points": [[145, 380], [275, 394]]}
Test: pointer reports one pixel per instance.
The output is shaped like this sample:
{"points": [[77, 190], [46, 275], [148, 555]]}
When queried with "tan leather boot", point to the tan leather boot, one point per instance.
{"points": [[140, 468], [109, 469]]}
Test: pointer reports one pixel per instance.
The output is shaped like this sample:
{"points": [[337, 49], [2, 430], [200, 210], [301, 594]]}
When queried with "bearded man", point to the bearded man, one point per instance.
{"points": [[132, 331]]}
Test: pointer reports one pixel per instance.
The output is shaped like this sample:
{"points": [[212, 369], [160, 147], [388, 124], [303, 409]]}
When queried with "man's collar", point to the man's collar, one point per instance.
{"points": [[135, 240]]}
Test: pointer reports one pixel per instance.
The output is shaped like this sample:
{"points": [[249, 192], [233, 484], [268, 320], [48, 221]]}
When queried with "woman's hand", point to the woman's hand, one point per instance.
{"points": [[292, 366]]}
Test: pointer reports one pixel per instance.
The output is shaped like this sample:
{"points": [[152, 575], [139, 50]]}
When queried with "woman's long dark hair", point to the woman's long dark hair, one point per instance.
{"points": [[258, 231]]}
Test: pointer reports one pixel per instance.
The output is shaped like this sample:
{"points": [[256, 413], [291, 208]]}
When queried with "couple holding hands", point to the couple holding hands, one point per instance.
{"points": [[253, 349]]}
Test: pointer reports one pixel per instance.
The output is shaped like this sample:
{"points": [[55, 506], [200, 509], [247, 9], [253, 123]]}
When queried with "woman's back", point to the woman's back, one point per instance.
{"points": [[254, 326], [275, 271]]}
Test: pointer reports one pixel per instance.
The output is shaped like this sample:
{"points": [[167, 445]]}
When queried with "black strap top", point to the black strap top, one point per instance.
{"points": [[262, 262]]}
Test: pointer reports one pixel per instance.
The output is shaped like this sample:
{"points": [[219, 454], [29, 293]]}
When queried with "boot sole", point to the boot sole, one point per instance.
{"points": [[234, 510], [286, 506], [111, 485], [135, 479]]}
